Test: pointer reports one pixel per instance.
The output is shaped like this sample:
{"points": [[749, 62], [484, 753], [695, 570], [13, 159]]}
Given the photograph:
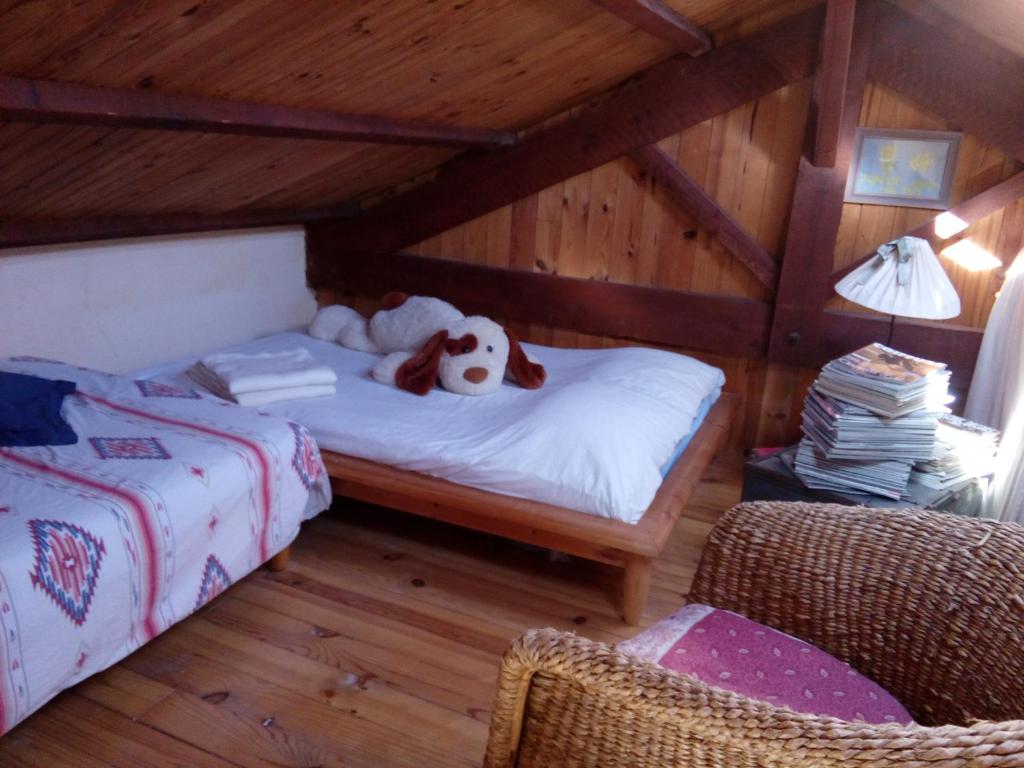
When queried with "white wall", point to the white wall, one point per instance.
{"points": [[124, 305]]}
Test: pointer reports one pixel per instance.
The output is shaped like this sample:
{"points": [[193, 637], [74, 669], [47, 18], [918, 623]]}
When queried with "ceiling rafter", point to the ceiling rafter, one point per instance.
{"points": [[707, 212], [955, 72], [656, 18], [42, 101], [665, 99], [950, 223]]}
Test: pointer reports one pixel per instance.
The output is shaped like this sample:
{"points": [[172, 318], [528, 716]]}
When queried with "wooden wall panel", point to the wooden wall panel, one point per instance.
{"points": [[979, 166], [615, 224]]}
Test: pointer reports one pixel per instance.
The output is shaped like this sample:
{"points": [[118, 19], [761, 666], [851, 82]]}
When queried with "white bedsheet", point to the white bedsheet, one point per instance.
{"points": [[166, 499], [593, 439]]}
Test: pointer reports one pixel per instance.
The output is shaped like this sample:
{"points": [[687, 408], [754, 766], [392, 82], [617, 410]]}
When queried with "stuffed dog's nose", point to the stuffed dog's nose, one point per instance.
{"points": [[475, 375]]}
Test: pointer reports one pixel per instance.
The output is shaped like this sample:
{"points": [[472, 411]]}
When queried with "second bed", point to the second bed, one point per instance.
{"points": [[598, 463]]}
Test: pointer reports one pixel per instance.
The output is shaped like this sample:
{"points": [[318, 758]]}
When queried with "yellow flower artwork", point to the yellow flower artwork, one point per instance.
{"points": [[910, 170]]}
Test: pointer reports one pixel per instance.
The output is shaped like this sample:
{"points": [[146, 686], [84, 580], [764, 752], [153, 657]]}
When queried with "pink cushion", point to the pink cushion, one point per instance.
{"points": [[728, 651]]}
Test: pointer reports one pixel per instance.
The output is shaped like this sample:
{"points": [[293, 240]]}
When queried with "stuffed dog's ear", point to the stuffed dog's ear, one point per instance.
{"points": [[529, 375], [394, 300], [418, 374]]}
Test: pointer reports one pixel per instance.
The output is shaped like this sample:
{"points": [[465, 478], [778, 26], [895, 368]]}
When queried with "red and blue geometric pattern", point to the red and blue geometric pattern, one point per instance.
{"points": [[156, 389], [306, 461], [215, 580], [129, 448], [67, 565]]}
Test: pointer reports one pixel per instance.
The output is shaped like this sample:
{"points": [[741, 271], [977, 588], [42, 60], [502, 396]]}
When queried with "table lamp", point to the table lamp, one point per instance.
{"points": [[904, 279]]}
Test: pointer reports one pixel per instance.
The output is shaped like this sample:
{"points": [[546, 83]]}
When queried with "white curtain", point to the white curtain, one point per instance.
{"points": [[997, 394]]}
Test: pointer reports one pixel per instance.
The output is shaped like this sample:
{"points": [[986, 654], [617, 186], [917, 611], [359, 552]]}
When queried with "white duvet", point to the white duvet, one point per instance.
{"points": [[593, 439]]}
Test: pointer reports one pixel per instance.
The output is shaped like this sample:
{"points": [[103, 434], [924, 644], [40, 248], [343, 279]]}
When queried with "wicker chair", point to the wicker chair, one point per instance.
{"points": [[928, 605]]}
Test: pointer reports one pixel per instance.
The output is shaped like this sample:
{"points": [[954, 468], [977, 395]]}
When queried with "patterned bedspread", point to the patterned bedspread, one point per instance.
{"points": [[167, 498]]}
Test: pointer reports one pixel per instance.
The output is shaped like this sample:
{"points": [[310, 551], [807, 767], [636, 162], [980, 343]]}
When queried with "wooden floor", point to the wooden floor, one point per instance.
{"points": [[378, 646]]}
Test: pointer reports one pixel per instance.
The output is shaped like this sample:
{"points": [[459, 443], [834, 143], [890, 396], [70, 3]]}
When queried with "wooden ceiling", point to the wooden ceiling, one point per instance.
{"points": [[496, 64], [1001, 21], [504, 64]]}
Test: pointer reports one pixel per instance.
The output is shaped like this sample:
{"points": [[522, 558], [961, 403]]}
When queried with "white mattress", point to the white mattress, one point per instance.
{"points": [[593, 439]]}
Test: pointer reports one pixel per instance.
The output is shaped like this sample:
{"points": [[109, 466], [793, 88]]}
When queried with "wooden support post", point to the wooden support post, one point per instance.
{"points": [[656, 18], [636, 583], [814, 220], [279, 561], [830, 85], [708, 213]]}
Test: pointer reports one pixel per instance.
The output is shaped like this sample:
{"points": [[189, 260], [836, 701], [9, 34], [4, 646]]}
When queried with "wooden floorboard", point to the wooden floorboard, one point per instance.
{"points": [[378, 646]]}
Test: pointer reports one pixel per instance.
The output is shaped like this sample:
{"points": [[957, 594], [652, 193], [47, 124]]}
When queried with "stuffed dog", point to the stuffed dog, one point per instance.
{"points": [[426, 340]]}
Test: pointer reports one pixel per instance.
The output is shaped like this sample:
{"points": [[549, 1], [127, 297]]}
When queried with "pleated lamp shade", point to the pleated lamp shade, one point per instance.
{"points": [[906, 279]]}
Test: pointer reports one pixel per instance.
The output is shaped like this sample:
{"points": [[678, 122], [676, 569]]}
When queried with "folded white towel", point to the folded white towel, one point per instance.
{"points": [[269, 396], [202, 375], [239, 374]]}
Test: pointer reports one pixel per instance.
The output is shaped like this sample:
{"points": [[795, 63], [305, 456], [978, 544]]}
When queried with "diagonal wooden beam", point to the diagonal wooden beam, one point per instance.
{"points": [[40, 101], [666, 99], [15, 234], [956, 219], [955, 72], [656, 18], [708, 213], [830, 85], [814, 218]]}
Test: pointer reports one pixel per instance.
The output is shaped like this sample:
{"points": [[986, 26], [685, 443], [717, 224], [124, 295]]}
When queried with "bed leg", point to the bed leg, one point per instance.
{"points": [[635, 583], [279, 561]]}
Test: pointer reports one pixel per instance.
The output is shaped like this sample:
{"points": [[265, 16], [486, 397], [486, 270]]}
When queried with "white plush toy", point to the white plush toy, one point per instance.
{"points": [[426, 340]]}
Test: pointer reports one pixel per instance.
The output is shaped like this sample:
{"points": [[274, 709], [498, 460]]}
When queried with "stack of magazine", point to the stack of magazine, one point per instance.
{"points": [[886, 382], [964, 452], [868, 418]]}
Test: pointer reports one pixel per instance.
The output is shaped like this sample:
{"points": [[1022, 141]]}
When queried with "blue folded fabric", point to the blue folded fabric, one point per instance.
{"points": [[30, 411]]}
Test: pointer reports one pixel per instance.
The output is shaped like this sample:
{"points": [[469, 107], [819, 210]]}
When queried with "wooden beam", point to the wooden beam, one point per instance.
{"points": [[666, 99], [830, 85], [15, 234], [708, 213], [955, 72], [700, 322], [40, 101], [695, 321], [814, 219], [956, 219], [656, 18]]}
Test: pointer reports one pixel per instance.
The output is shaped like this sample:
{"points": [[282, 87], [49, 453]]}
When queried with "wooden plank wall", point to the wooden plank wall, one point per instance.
{"points": [[615, 224], [979, 166]]}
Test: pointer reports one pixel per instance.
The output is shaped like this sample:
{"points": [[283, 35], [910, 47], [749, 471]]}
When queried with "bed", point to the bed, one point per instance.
{"points": [[599, 463], [167, 498]]}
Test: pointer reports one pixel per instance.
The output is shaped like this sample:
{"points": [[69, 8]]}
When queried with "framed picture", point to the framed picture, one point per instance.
{"points": [[897, 167]]}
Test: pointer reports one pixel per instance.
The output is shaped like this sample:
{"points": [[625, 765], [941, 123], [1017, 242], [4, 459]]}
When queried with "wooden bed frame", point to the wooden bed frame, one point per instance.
{"points": [[632, 547]]}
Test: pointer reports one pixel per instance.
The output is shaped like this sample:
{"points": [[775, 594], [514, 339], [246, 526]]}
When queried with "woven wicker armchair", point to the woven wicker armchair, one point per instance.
{"points": [[928, 605]]}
